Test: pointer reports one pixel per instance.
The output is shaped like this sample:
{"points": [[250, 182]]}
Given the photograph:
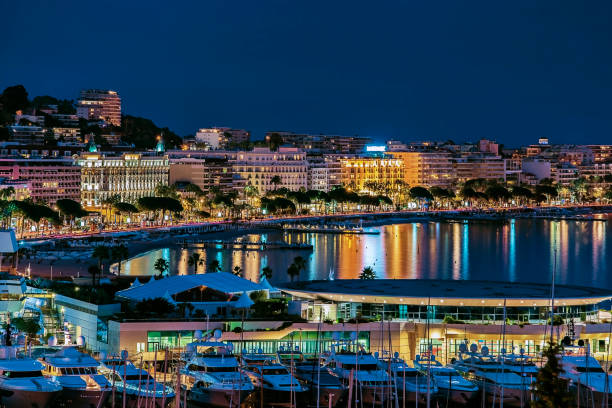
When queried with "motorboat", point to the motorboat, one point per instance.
{"points": [[361, 373], [583, 371], [22, 383], [452, 387], [409, 384], [136, 384], [498, 382], [77, 373], [274, 384], [324, 389], [213, 377]]}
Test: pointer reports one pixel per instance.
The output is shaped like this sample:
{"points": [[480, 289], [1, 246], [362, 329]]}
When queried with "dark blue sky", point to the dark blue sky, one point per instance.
{"points": [[512, 71]]}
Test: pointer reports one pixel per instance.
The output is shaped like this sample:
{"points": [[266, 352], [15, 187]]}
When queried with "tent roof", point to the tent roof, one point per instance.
{"points": [[172, 285], [8, 242]]}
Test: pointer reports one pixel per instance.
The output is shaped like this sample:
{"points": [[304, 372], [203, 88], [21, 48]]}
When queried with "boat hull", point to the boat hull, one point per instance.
{"points": [[276, 398], [22, 399], [372, 396], [218, 398], [456, 397], [132, 401], [76, 398], [325, 395], [511, 397]]}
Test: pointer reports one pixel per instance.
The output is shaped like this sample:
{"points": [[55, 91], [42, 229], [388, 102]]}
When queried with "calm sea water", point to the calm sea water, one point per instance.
{"points": [[522, 251]]}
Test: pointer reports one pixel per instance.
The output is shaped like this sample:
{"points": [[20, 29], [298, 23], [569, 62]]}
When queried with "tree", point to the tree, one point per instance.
{"points": [[497, 193], [14, 98], [101, 252], [214, 266], [266, 272], [125, 208], [161, 266], [551, 391], [293, 271], [547, 190], [93, 270], [28, 326], [7, 192], [237, 271], [119, 253], [194, 260], [276, 180], [420, 193], [275, 140], [156, 306], [300, 263], [143, 133], [71, 209], [367, 273]]}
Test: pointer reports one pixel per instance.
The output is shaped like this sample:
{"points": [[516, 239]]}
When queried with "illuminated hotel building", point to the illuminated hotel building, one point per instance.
{"points": [[426, 168], [357, 171], [129, 176], [100, 104], [203, 172], [49, 180]]}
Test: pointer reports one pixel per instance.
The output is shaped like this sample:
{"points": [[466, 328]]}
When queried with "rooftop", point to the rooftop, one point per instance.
{"points": [[445, 292], [172, 285]]}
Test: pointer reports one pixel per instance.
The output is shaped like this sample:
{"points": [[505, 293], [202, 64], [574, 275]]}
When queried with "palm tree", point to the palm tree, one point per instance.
{"points": [[93, 270], [214, 266], [119, 253], [101, 252], [367, 273], [293, 271], [194, 260], [237, 271], [161, 265], [276, 180], [7, 193], [266, 272], [300, 263]]}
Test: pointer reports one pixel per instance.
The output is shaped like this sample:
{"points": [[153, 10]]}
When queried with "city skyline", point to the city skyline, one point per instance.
{"points": [[355, 73]]}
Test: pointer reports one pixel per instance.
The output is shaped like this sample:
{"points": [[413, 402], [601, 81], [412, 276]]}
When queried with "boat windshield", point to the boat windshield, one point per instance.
{"points": [[589, 369], [78, 370], [221, 369], [138, 377], [22, 374], [275, 371], [360, 367]]}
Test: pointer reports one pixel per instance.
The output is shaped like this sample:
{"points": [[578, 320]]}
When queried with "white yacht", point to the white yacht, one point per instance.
{"points": [[77, 373], [22, 383], [368, 383], [212, 376], [497, 381], [409, 384], [139, 387], [452, 387], [273, 382], [587, 375], [324, 389]]}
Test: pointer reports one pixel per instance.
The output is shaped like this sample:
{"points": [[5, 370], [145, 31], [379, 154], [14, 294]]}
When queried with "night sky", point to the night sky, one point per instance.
{"points": [[412, 70]]}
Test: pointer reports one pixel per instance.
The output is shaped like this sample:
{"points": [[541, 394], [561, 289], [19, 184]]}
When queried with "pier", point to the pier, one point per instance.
{"points": [[244, 245]]}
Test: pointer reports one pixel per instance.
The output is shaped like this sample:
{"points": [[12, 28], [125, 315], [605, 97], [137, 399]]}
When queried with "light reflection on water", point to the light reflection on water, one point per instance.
{"points": [[521, 250]]}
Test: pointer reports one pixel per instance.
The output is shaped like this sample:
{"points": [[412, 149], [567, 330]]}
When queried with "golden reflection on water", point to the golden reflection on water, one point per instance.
{"points": [[524, 250]]}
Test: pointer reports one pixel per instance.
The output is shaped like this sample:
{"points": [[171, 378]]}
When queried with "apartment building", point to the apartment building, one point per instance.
{"points": [[204, 173], [259, 166], [49, 180], [26, 134], [324, 143], [426, 168], [324, 173], [221, 137], [478, 166]]}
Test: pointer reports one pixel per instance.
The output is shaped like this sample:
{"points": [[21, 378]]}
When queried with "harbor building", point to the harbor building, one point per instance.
{"points": [[426, 168]]}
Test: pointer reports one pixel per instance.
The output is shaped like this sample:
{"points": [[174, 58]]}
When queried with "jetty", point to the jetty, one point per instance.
{"points": [[244, 245]]}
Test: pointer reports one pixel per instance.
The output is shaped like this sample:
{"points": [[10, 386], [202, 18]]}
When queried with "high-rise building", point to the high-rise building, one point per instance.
{"points": [[49, 180], [129, 176], [96, 104], [478, 166], [324, 173]]}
